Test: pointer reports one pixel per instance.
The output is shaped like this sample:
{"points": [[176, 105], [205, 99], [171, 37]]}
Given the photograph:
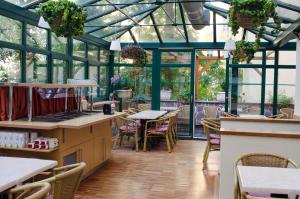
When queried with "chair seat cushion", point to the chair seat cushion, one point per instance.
{"points": [[128, 128], [162, 128], [215, 141], [215, 136]]}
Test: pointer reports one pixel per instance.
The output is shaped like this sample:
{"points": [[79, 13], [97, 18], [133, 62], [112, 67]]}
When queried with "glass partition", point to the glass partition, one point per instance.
{"points": [[10, 63], [9, 26], [78, 70], [36, 68], [36, 37], [59, 71]]}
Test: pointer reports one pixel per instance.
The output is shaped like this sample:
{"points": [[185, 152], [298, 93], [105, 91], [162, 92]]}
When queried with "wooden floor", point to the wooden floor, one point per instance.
{"points": [[155, 174]]}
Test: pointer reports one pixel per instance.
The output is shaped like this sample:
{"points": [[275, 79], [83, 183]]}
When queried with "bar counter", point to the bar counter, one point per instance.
{"points": [[86, 138]]}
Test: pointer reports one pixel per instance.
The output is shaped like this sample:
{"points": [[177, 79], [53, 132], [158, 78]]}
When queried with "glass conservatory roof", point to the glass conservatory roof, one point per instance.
{"points": [[166, 20]]}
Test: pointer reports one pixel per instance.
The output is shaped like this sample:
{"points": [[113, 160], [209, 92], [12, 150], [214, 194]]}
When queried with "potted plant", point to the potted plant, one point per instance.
{"points": [[251, 14], [184, 96], [121, 87], [65, 18], [136, 53], [3, 75], [244, 52]]}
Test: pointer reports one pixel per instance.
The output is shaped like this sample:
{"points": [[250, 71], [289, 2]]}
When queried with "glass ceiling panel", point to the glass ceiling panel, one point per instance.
{"points": [[125, 38], [146, 32], [21, 3], [96, 10]]}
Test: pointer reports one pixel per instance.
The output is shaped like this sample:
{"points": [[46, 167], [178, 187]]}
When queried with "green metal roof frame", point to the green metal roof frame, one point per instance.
{"points": [[152, 5]]}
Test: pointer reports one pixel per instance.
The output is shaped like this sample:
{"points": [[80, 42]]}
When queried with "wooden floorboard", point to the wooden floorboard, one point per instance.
{"points": [[155, 174]]}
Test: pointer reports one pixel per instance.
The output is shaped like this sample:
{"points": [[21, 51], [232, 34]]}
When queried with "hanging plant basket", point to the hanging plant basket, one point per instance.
{"points": [[136, 53], [244, 21], [65, 18], [244, 52]]}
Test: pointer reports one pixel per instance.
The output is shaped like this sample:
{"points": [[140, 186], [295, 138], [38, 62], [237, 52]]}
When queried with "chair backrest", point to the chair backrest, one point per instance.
{"points": [[210, 111], [210, 126], [265, 160], [30, 191], [184, 112], [226, 114], [144, 107], [66, 180], [288, 112]]}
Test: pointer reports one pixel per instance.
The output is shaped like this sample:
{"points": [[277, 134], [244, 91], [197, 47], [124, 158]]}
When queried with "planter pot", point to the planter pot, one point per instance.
{"points": [[124, 94], [244, 21], [165, 94], [221, 96]]}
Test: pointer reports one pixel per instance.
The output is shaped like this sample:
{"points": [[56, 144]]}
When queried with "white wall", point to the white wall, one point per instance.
{"points": [[297, 101]]}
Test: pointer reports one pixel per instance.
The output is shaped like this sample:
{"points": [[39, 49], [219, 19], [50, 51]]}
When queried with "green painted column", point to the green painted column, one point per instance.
{"points": [[70, 54], [234, 89], [263, 83], [275, 88], [192, 94], [49, 57], [156, 80], [110, 71], [23, 53]]}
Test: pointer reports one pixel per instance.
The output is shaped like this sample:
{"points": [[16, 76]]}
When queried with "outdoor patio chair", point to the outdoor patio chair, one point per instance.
{"points": [[260, 160], [211, 131], [127, 127], [143, 107], [65, 180], [210, 111], [30, 191], [160, 128], [288, 112]]}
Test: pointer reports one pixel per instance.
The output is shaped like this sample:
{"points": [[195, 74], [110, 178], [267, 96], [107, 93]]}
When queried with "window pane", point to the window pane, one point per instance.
{"points": [[103, 85], [286, 88], [9, 26], [78, 48], [104, 56], [92, 53], [78, 70], [36, 68], [10, 63], [176, 57], [59, 44], [269, 92], [36, 37], [59, 71]]}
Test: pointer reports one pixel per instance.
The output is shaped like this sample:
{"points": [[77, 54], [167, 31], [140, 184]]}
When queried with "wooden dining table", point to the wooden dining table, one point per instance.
{"points": [[144, 116], [14, 171], [269, 180]]}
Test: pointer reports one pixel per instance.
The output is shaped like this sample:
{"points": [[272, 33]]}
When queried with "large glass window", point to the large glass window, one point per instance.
{"points": [[59, 44], [10, 30], [92, 52], [78, 48], [36, 68], [78, 70], [104, 55], [176, 57], [10, 65], [286, 88], [36, 37], [59, 71]]}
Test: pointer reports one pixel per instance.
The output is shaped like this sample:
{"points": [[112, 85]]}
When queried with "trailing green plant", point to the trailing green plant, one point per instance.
{"points": [[3, 74], [283, 100], [244, 52], [184, 96], [255, 14], [136, 53], [66, 18]]}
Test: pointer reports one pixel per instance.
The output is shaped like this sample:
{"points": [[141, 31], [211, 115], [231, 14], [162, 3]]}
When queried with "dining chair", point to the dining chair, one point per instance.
{"points": [[259, 160], [211, 128], [288, 112], [143, 107], [227, 114], [132, 111], [127, 127], [65, 180], [30, 191], [210, 111], [159, 128]]}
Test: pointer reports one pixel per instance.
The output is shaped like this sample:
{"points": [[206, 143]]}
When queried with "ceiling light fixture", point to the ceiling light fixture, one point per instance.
{"points": [[230, 45], [115, 45]]}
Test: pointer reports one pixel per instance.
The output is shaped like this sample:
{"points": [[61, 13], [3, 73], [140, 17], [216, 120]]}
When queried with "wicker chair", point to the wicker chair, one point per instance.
{"points": [[288, 112], [127, 127], [260, 160], [210, 111], [65, 180], [30, 191], [131, 111], [211, 129], [226, 114], [159, 128], [143, 107]]}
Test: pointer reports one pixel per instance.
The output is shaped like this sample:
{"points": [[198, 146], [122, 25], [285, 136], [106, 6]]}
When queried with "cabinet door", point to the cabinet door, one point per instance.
{"points": [[70, 156], [99, 150], [87, 152]]}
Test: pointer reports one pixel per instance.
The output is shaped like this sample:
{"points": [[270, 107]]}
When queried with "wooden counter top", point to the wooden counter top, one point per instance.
{"points": [[268, 120], [76, 123], [280, 134]]}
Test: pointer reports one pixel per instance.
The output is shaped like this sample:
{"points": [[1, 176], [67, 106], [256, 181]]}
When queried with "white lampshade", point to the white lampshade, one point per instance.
{"points": [[230, 45], [226, 54], [43, 24], [115, 45]]}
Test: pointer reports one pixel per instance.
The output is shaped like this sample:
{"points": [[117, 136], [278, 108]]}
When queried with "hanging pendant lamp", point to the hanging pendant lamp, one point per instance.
{"points": [[230, 45], [115, 45], [43, 23]]}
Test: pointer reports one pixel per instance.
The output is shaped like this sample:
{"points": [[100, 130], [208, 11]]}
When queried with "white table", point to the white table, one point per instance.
{"points": [[168, 108], [147, 115], [14, 171], [269, 180]]}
